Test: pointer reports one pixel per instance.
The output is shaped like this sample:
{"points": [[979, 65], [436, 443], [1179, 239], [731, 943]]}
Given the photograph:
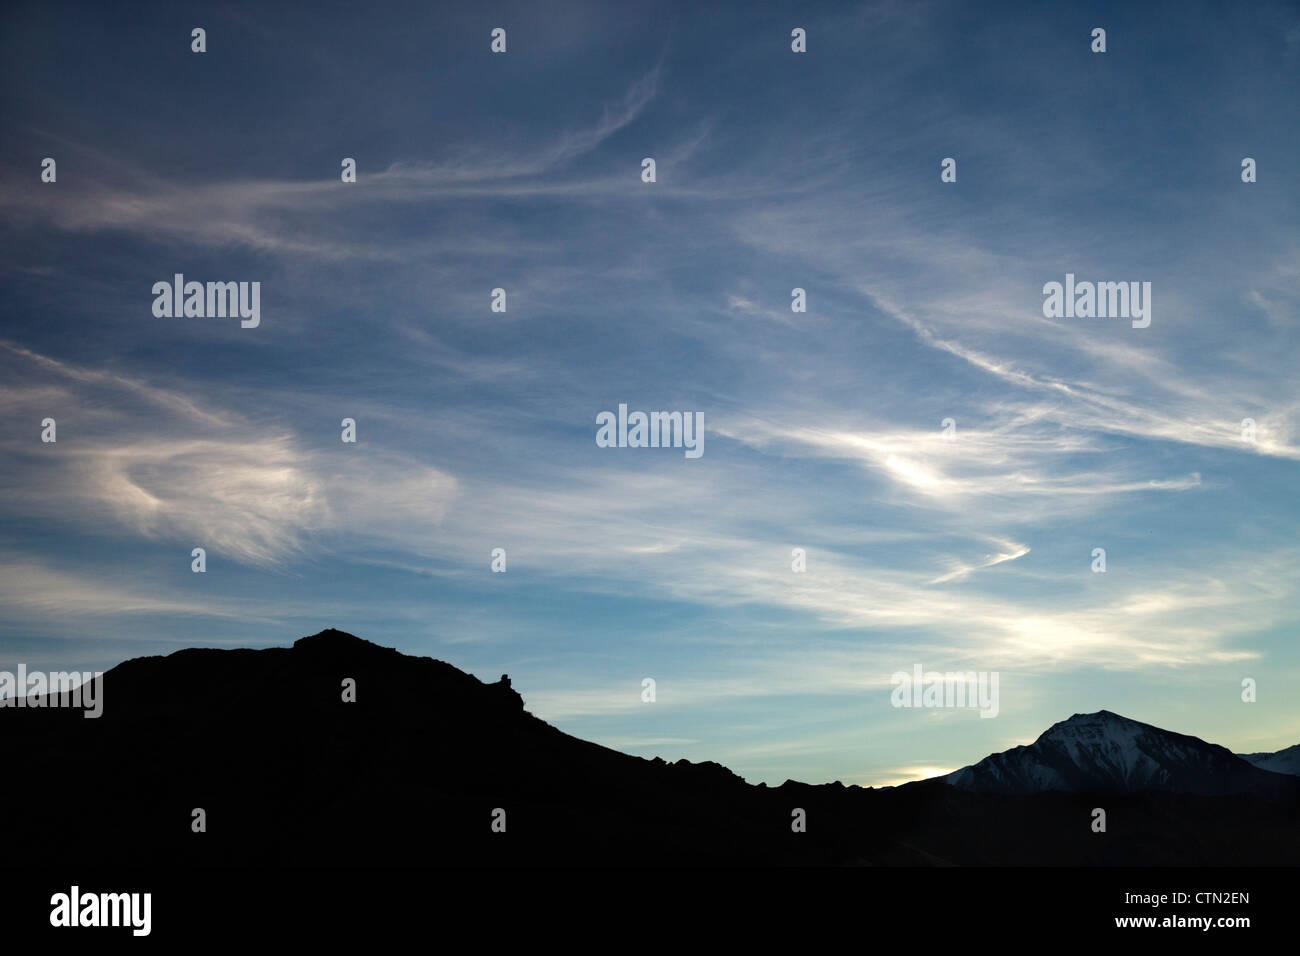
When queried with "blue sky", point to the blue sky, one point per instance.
{"points": [[476, 429]]}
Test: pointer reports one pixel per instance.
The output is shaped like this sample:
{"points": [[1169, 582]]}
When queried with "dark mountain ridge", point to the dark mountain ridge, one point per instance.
{"points": [[412, 772]]}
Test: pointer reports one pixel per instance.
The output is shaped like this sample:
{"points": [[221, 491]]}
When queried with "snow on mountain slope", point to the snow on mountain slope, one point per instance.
{"points": [[1107, 753], [1284, 761]]}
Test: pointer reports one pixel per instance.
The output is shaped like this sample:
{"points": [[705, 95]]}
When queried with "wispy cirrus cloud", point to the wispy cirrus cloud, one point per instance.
{"points": [[267, 215]]}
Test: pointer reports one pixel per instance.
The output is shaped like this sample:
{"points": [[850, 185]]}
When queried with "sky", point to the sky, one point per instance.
{"points": [[967, 547]]}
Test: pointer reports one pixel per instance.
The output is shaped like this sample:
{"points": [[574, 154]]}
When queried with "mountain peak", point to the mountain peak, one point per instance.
{"points": [[1098, 720], [1105, 752], [1098, 717], [332, 642]]}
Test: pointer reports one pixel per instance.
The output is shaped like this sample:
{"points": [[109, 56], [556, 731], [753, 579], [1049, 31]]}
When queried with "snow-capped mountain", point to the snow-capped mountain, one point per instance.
{"points": [[1107, 753], [1284, 761]]}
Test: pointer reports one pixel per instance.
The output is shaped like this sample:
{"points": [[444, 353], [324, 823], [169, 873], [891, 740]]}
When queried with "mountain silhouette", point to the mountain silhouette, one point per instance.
{"points": [[1283, 761], [1107, 753], [420, 766]]}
